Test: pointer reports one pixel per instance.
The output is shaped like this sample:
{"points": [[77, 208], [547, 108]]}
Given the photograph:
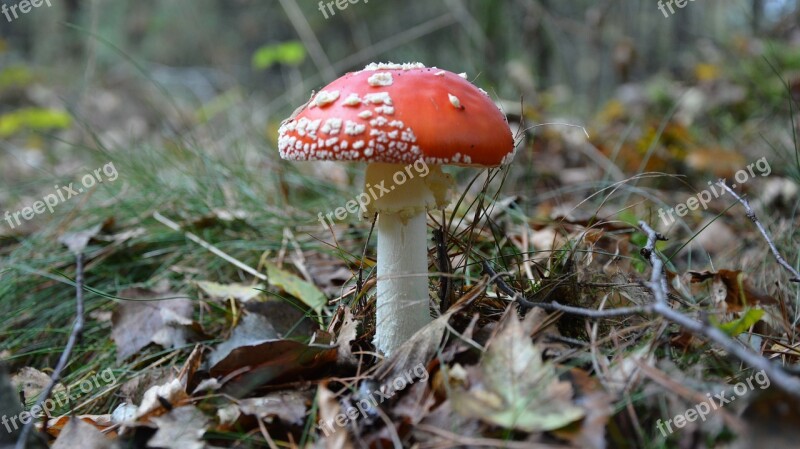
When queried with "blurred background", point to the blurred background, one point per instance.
{"points": [[185, 98]]}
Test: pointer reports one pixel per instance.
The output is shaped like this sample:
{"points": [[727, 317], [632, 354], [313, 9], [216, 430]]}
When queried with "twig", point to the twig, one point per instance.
{"points": [[752, 216], [241, 265], [556, 306], [74, 336], [776, 373]]}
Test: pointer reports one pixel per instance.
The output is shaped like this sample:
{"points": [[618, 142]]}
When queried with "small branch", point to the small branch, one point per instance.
{"points": [[657, 283], [77, 329], [752, 216], [556, 306]]}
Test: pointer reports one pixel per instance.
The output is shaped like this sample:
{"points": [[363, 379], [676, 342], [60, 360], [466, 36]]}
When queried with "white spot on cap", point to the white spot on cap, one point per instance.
{"points": [[463, 75], [393, 66], [325, 97], [380, 79], [388, 110], [365, 114], [454, 101], [352, 128], [378, 98], [368, 151], [352, 100], [440, 73], [358, 144], [332, 126]]}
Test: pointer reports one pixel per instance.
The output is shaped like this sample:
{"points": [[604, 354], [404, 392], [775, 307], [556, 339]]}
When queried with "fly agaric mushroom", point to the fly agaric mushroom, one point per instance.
{"points": [[392, 116]]}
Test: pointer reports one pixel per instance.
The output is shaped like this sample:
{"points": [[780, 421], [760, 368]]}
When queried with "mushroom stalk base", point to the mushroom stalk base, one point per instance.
{"points": [[402, 301]]}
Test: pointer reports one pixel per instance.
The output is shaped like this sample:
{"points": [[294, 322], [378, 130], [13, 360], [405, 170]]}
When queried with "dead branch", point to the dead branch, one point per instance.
{"points": [[74, 336], [752, 216]]}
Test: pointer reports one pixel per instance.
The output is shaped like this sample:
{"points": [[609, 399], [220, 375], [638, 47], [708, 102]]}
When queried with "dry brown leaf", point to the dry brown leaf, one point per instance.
{"points": [[30, 381], [223, 292], [79, 434], [173, 392], [261, 363], [138, 323], [329, 408], [289, 406], [181, 428], [347, 333], [731, 290]]}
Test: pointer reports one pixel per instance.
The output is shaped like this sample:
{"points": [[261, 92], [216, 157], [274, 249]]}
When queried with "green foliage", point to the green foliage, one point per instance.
{"points": [[748, 319], [289, 53], [33, 119], [15, 76]]}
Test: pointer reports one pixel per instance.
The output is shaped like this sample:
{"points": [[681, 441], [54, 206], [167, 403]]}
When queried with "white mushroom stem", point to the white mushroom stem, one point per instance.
{"points": [[401, 194], [402, 303]]}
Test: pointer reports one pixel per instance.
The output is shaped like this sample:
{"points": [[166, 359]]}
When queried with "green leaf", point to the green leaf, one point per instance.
{"points": [[736, 327], [34, 119], [289, 53], [300, 289], [15, 76]]}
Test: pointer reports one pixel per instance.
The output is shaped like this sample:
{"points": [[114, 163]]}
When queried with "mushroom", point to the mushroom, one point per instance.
{"points": [[405, 120]]}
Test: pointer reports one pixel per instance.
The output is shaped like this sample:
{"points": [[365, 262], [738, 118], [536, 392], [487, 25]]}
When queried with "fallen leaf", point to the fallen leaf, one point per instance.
{"points": [[137, 323], [181, 428], [347, 333], [78, 433], [76, 241], [252, 329], [240, 292], [329, 409], [513, 388], [300, 289], [270, 362], [31, 382], [289, 406], [173, 392], [743, 323], [731, 290], [10, 406]]}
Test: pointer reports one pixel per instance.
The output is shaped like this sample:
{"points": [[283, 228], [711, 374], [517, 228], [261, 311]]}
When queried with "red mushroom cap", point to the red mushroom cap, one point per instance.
{"points": [[399, 113]]}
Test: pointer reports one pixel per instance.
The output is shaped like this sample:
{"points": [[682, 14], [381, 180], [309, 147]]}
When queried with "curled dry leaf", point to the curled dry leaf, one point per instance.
{"points": [[174, 392]]}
